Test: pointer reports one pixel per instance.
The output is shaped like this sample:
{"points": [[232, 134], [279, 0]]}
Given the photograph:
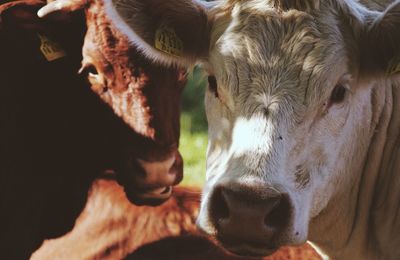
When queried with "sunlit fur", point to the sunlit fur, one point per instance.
{"points": [[276, 82], [110, 227], [273, 123], [145, 95]]}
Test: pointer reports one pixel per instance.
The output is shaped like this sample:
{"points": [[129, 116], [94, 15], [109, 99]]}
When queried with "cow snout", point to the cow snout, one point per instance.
{"points": [[247, 221], [151, 181]]}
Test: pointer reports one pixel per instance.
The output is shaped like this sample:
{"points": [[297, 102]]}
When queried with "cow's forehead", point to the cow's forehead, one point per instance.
{"points": [[279, 53]]}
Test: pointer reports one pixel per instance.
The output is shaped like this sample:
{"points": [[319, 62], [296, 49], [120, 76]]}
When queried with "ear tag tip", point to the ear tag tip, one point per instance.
{"points": [[50, 49], [394, 66]]}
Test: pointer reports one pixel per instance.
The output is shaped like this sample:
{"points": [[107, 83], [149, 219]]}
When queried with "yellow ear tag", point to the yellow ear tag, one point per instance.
{"points": [[167, 41], [394, 67], [50, 49]]}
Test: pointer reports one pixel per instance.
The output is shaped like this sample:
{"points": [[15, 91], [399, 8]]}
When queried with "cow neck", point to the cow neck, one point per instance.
{"points": [[364, 218]]}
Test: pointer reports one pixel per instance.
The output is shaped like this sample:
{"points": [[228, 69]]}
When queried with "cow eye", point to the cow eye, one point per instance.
{"points": [[89, 70], [338, 94], [213, 86]]}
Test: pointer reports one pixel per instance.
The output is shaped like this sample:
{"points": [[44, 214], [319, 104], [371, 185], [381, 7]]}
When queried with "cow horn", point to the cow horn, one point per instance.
{"points": [[62, 5]]}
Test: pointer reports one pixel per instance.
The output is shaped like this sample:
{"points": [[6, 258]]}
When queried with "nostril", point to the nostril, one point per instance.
{"points": [[279, 214], [219, 207]]}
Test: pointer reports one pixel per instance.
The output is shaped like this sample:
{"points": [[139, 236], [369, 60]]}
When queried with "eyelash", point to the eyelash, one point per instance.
{"points": [[338, 94]]}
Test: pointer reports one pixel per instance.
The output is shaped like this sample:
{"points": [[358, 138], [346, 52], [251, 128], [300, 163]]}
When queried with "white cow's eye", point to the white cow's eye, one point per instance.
{"points": [[213, 86], [338, 94]]}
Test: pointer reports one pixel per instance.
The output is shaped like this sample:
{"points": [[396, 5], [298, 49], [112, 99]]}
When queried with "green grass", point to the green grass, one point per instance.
{"points": [[193, 141], [193, 148]]}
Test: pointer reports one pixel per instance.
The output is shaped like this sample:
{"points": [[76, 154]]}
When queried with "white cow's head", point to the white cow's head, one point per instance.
{"points": [[289, 104]]}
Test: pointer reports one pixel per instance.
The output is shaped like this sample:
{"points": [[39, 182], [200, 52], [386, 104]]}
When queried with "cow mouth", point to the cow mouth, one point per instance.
{"points": [[150, 197]]}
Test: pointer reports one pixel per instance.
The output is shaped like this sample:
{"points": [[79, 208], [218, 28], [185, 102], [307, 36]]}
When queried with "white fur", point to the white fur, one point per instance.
{"points": [[330, 142]]}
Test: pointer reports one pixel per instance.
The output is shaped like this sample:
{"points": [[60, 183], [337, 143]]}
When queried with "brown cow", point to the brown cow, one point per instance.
{"points": [[146, 96], [56, 135], [110, 228]]}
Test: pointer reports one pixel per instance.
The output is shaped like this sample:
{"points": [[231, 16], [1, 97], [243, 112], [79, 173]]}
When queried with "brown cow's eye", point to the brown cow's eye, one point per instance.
{"points": [[213, 86], [89, 70], [338, 94]]}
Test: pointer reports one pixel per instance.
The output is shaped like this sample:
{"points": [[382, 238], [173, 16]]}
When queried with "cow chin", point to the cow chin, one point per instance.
{"points": [[249, 250]]}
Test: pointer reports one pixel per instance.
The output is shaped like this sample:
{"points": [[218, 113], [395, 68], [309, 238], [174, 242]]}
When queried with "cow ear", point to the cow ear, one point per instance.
{"points": [[383, 39], [167, 31], [20, 14]]}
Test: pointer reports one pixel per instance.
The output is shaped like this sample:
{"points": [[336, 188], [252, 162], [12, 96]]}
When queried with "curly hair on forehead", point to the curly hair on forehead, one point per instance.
{"points": [[305, 5]]}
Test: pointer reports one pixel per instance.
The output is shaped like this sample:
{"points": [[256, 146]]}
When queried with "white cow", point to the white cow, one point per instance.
{"points": [[304, 118]]}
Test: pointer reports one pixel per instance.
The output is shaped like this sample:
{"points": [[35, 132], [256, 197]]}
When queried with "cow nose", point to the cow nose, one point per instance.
{"points": [[153, 180], [158, 173], [248, 217]]}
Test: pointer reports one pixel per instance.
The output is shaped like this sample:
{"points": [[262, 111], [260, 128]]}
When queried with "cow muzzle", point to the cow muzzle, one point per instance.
{"points": [[247, 220], [149, 182]]}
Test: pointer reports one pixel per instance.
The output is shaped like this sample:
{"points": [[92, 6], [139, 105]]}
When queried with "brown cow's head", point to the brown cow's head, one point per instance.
{"points": [[144, 95]]}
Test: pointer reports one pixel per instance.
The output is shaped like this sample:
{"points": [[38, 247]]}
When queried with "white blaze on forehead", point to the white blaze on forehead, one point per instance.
{"points": [[251, 135]]}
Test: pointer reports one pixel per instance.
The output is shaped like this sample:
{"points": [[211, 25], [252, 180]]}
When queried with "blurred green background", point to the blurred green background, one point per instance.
{"points": [[193, 141]]}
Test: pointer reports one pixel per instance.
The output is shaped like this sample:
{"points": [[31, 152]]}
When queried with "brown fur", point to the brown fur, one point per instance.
{"points": [[57, 135], [111, 228], [131, 82], [145, 95]]}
